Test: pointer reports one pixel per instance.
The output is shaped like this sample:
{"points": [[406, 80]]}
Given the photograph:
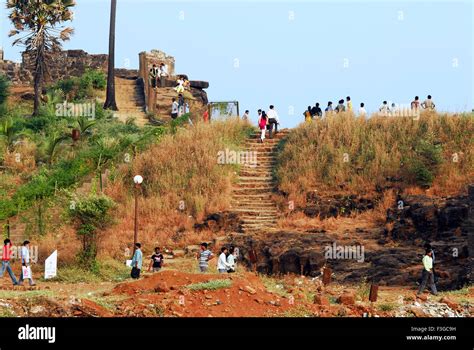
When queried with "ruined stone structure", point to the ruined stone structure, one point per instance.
{"points": [[63, 64]]}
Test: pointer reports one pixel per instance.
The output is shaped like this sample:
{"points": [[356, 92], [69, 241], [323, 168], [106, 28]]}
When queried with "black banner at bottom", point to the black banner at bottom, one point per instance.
{"points": [[361, 332]]}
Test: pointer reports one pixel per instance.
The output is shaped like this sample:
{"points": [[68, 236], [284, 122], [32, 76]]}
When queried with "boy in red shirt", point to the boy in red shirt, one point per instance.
{"points": [[6, 256]]}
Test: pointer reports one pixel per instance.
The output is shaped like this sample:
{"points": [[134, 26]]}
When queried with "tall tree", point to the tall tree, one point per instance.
{"points": [[40, 24], [110, 102]]}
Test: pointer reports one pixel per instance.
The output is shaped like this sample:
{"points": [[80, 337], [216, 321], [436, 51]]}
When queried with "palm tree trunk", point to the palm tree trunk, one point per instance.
{"points": [[38, 76], [110, 102]]}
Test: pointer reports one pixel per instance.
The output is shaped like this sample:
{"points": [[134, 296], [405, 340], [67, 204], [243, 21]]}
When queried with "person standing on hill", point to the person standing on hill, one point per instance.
{"points": [[362, 111], [273, 120], [157, 261], [262, 124], [181, 108], [174, 109], [6, 256], [222, 264], [203, 257], [246, 116], [415, 104], [137, 261], [329, 108], [163, 73], [25, 262], [307, 115], [384, 109], [316, 111], [154, 72], [349, 103], [340, 107], [428, 103], [427, 275]]}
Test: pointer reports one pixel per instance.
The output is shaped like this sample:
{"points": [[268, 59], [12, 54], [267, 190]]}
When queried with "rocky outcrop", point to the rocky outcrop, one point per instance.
{"points": [[337, 205], [224, 221], [428, 218]]}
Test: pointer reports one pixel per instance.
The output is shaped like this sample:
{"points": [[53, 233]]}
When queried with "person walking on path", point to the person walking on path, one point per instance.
{"points": [[157, 260], [203, 257], [137, 261], [222, 264], [6, 256], [273, 120], [25, 263], [262, 124], [231, 260], [427, 275], [428, 103]]}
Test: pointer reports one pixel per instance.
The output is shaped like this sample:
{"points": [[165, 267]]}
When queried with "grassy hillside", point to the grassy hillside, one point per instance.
{"points": [[182, 183], [344, 153]]}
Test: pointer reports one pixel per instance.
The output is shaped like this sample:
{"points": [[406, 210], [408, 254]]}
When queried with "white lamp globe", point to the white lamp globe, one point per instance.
{"points": [[138, 179]]}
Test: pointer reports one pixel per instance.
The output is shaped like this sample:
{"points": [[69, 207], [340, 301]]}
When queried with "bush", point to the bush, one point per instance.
{"points": [[90, 214], [80, 88], [4, 89]]}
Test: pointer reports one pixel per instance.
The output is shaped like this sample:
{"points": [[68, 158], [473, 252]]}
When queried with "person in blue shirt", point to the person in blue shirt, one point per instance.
{"points": [[137, 261]]}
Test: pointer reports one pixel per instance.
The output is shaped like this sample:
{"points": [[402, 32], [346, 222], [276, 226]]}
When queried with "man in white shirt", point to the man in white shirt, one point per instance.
{"points": [[222, 264], [163, 74], [273, 120], [25, 262], [427, 275]]}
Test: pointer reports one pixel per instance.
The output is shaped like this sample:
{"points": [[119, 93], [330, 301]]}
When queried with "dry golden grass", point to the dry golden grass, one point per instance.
{"points": [[183, 182], [344, 153]]}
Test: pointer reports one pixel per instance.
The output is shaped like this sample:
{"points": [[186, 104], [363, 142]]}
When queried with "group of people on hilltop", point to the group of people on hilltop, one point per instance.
{"points": [[226, 263], [314, 112], [7, 256], [266, 121]]}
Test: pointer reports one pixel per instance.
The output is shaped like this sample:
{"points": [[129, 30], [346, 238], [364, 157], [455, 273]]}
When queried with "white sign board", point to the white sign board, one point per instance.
{"points": [[50, 266]]}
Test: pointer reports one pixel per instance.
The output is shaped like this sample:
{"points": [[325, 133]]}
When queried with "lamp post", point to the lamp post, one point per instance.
{"points": [[138, 179]]}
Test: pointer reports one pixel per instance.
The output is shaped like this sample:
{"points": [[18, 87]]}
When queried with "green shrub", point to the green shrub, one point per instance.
{"points": [[4, 89], [90, 214]]}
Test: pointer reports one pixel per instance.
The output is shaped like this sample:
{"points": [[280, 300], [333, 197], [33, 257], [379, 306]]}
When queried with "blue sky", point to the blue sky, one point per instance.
{"points": [[294, 53]]}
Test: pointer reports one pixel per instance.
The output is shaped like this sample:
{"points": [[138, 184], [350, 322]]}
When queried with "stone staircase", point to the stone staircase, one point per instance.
{"points": [[130, 100], [252, 195]]}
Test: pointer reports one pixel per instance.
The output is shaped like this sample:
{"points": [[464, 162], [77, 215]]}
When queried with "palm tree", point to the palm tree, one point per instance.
{"points": [[110, 102], [10, 135], [38, 20]]}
